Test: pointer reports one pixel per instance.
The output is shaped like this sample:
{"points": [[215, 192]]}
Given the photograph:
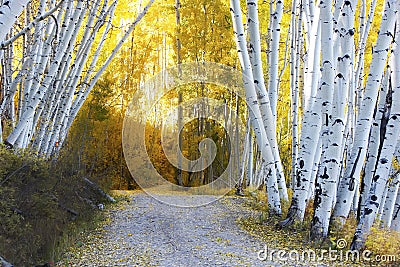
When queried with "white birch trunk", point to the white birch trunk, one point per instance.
{"points": [[364, 30], [242, 167], [388, 208], [312, 72], [31, 25], [395, 223], [180, 114], [259, 173], [311, 125], [254, 109], [356, 200], [365, 116], [268, 121], [315, 169], [89, 84], [295, 31], [309, 139], [273, 80], [374, 143], [63, 112], [392, 133], [250, 169], [382, 203], [331, 140]]}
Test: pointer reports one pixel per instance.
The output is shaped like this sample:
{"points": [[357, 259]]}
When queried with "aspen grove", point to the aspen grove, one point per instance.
{"points": [[45, 85], [345, 132], [344, 112]]}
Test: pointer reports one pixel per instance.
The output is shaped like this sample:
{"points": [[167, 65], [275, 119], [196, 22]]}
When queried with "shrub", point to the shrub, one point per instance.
{"points": [[39, 200]]}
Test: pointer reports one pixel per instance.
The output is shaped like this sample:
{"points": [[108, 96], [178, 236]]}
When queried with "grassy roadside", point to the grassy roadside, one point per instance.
{"points": [[86, 245], [43, 205], [73, 235], [381, 242]]}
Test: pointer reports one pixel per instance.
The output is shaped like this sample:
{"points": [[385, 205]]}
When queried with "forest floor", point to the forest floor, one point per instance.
{"points": [[141, 231]]}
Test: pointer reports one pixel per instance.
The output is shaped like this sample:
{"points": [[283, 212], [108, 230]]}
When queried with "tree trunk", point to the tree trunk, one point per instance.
{"points": [[331, 140], [390, 201], [254, 109], [395, 224], [355, 162], [268, 121], [392, 132]]}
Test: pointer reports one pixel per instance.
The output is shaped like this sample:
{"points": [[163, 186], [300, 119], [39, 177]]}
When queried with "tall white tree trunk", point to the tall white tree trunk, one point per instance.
{"points": [[295, 47], [250, 162], [254, 109], [66, 90], [331, 140], [268, 121], [364, 33], [312, 73], [390, 201], [244, 161], [365, 116], [374, 144], [392, 133], [273, 80], [395, 223], [315, 169]]}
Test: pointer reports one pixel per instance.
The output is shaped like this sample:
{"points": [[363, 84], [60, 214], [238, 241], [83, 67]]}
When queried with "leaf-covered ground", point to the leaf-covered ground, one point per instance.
{"points": [[141, 231]]}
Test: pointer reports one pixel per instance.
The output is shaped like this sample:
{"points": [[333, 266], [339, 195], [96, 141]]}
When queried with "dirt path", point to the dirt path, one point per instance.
{"points": [[146, 232]]}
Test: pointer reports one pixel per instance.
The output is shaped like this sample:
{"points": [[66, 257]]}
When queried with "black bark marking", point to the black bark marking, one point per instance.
{"points": [[384, 161], [301, 164], [368, 211], [338, 121], [318, 193], [396, 213], [351, 184], [298, 180], [325, 175], [352, 180]]}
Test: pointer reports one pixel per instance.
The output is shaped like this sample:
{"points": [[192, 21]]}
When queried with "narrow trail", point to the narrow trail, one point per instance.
{"points": [[146, 232]]}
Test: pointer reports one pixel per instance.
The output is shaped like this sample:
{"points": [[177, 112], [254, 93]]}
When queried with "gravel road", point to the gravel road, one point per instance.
{"points": [[145, 232]]}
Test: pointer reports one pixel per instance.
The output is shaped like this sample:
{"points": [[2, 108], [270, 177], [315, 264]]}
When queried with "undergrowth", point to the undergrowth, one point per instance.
{"points": [[43, 205], [381, 242]]}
